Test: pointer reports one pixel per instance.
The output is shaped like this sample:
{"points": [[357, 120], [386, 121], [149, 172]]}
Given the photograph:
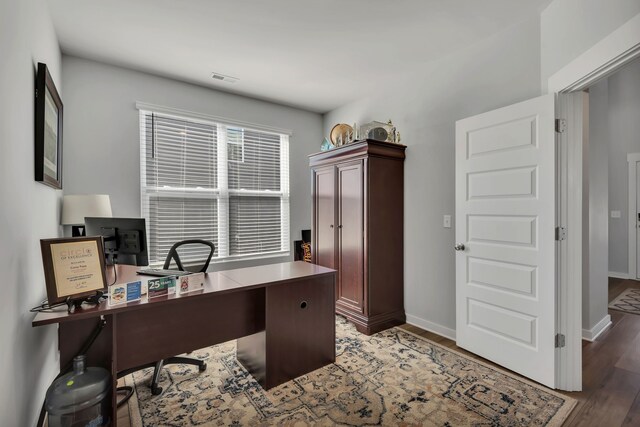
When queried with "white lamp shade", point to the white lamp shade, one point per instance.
{"points": [[78, 206]]}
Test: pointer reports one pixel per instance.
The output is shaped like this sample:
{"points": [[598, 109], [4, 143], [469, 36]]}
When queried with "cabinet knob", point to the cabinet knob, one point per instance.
{"points": [[340, 226], [331, 226], [459, 247], [303, 305]]}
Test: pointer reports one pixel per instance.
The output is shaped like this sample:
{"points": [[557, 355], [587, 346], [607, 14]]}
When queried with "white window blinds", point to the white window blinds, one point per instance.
{"points": [[207, 180]]}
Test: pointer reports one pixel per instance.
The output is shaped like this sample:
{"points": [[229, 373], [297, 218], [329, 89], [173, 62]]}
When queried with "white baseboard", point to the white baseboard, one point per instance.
{"points": [[618, 275], [432, 327], [593, 333]]}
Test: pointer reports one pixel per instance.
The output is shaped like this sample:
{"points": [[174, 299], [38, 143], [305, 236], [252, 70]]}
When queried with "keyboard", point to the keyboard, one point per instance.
{"points": [[162, 273]]}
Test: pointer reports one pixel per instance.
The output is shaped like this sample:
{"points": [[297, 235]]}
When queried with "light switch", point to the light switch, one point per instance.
{"points": [[616, 214], [446, 221]]}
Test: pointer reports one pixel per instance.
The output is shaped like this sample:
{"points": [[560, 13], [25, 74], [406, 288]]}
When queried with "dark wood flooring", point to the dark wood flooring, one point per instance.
{"points": [[610, 393], [611, 370]]}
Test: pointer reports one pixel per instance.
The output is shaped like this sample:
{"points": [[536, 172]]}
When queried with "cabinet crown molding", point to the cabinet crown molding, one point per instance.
{"points": [[361, 148]]}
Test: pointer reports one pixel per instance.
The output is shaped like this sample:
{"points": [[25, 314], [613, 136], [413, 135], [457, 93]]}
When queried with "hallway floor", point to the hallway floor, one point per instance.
{"points": [[611, 374]]}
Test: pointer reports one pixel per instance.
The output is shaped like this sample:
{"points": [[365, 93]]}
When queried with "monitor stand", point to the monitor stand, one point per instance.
{"points": [[78, 231]]}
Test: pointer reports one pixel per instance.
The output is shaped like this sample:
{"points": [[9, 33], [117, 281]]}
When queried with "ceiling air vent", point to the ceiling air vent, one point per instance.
{"points": [[223, 78]]}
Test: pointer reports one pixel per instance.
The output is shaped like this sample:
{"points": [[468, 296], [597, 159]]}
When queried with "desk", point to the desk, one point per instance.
{"points": [[281, 314]]}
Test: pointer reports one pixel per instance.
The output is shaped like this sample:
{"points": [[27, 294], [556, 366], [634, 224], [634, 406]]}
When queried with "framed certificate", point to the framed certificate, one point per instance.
{"points": [[73, 267]]}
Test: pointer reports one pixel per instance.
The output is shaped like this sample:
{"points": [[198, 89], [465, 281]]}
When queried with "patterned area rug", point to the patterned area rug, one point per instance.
{"points": [[628, 301], [391, 378]]}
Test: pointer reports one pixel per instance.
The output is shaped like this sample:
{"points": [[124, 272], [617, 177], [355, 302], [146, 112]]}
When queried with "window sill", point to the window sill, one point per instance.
{"points": [[250, 257], [230, 259]]}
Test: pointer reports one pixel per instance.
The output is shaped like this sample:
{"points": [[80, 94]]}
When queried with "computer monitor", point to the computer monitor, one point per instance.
{"points": [[125, 239]]}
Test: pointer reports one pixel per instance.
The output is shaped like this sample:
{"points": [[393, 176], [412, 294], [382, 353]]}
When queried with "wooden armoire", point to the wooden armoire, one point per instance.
{"points": [[357, 229]]}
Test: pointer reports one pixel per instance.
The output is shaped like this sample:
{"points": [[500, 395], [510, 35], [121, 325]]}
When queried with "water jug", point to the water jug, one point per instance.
{"points": [[80, 398]]}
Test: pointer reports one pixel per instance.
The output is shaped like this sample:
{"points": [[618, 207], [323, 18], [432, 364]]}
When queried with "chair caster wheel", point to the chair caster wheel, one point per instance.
{"points": [[202, 367], [156, 390]]}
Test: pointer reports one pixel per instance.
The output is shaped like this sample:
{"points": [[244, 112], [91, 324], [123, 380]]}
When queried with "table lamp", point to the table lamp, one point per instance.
{"points": [[76, 207]]}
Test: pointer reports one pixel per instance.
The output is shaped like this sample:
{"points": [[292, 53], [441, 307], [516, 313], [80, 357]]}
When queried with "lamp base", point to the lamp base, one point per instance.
{"points": [[77, 231]]}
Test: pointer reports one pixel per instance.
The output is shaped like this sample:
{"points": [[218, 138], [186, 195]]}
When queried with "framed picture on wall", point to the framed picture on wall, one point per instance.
{"points": [[48, 130]]}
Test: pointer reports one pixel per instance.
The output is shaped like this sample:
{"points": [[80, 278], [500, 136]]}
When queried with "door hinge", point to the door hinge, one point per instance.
{"points": [[561, 125], [560, 341], [561, 233]]}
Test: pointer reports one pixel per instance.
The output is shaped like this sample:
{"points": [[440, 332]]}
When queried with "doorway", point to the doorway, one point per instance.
{"points": [[611, 54], [610, 210], [481, 304], [633, 160]]}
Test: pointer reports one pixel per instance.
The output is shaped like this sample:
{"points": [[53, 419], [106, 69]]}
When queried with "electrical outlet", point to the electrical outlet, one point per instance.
{"points": [[446, 221], [616, 214]]}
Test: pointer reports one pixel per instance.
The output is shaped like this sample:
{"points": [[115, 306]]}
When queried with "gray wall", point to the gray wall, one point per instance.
{"points": [[615, 115], [30, 212], [102, 143], [596, 242], [570, 27], [493, 73], [624, 131]]}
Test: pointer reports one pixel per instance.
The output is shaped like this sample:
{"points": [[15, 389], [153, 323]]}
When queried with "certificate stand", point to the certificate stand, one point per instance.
{"points": [[73, 304]]}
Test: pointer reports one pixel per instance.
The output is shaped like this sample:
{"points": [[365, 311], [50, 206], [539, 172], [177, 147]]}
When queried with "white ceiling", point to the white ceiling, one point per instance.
{"points": [[316, 55]]}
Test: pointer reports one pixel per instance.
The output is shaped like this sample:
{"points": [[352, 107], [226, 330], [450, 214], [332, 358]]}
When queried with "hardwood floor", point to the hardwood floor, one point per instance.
{"points": [[124, 420], [611, 370]]}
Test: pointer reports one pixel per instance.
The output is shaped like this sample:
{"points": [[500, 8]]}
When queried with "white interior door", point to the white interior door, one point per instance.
{"points": [[505, 234]]}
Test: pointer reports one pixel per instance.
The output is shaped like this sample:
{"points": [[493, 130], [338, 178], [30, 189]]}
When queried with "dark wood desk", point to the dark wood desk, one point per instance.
{"points": [[281, 314]]}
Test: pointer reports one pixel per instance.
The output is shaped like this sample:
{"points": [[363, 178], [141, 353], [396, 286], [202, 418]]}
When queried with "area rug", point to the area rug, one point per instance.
{"points": [[628, 301], [391, 378]]}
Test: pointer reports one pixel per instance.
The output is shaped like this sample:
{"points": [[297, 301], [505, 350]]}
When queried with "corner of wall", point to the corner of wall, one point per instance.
{"points": [[31, 212]]}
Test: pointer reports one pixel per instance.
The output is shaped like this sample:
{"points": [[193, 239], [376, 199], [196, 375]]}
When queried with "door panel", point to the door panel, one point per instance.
{"points": [[324, 252], [505, 217], [518, 182], [637, 220], [350, 235]]}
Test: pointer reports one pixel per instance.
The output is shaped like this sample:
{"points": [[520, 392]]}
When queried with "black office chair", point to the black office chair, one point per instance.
{"points": [[173, 255]]}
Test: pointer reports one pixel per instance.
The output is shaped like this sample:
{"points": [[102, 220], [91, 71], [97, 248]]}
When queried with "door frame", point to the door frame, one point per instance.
{"points": [[606, 57], [570, 161], [633, 159]]}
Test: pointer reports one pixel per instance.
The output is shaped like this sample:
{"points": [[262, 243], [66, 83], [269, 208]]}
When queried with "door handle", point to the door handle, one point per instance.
{"points": [[459, 247]]}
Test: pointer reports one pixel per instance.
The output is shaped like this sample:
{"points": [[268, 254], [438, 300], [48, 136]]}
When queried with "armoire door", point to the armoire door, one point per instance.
{"points": [[324, 221], [350, 235]]}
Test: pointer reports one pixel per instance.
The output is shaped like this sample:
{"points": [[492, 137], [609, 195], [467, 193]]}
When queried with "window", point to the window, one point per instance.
{"points": [[235, 145], [206, 180]]}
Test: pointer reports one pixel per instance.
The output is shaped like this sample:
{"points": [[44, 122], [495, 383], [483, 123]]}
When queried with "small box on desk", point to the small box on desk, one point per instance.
{"points": [[161, 287], [191, 282], [125, 292]]}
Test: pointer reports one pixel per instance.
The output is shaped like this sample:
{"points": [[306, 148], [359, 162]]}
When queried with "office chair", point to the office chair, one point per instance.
{"points": [[173, 255], [157, 366]]}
